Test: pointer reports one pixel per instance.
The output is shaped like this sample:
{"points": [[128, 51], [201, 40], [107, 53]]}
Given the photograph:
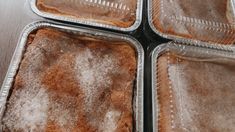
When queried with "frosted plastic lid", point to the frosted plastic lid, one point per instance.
{"points": [[113, 14], [210, 21], [193, 89]]}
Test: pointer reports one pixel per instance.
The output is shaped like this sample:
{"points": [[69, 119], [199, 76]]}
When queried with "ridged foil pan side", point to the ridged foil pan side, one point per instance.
{"points": [[136, 24], [19, 52]]}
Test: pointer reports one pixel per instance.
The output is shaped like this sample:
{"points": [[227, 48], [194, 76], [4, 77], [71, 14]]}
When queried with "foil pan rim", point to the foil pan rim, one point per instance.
{"points": [[133, 27], [20, 48]]}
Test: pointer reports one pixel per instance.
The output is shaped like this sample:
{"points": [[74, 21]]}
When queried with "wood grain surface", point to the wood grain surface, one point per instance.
{"points": [[14, 16]]}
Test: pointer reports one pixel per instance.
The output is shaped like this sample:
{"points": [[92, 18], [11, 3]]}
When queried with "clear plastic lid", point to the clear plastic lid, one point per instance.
{"points": [[104, 13], [193, 89], [210, 21]]}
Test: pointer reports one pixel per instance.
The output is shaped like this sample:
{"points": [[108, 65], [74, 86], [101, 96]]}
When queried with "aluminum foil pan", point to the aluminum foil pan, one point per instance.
{"points": [[183, 22], [19, 52], [213, 53], [136, 24]]}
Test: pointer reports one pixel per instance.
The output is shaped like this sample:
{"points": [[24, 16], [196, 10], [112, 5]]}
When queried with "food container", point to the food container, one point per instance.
{"points": [[117, 15], [192, 88], [20, 49], [192, 21]]}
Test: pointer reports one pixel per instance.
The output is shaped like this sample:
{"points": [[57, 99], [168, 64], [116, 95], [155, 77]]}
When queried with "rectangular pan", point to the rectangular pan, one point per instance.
{"points": [[20, 49], [90, 22], [207, 21], [207, 58]]}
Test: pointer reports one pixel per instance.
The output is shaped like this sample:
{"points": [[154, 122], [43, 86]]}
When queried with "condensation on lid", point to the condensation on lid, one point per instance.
{"points": [[211, 21]]}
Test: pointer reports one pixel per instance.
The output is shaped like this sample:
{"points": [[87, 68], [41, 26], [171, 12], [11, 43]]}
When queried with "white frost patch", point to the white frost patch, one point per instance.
{"points": [[110, 121], [29, 111], [93, 72]]}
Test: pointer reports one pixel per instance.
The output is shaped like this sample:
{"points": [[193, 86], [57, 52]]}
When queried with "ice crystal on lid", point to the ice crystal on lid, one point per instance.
{"points": [[94, 71], [29, 111], [110, 121], [179, 88], [64, 112], [27, 108]]}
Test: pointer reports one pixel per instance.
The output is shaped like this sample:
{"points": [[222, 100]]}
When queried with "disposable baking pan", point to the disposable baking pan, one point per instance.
{"points": [[192, 21], [180, 111], [118, 7], [19, 52]]}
